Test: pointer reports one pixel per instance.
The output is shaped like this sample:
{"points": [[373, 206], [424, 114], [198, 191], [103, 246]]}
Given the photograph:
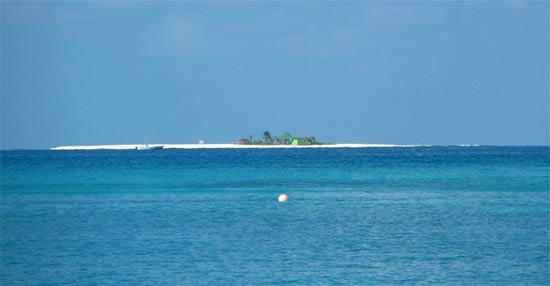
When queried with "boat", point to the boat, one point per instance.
{"points": [[147, 147]]}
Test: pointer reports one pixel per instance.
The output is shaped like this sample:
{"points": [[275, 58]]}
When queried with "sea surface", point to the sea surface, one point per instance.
{"points": [[355, 216]]}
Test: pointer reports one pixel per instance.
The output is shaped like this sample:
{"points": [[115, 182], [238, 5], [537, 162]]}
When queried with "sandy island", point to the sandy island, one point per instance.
{"points": [[223, 146]]}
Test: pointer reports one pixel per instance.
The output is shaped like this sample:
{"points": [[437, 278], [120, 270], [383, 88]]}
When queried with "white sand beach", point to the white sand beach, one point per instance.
{"points": [[223, 146]]}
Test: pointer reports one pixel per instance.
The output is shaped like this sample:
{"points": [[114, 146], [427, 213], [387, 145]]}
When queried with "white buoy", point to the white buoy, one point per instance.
{"points": [[283, 198]]}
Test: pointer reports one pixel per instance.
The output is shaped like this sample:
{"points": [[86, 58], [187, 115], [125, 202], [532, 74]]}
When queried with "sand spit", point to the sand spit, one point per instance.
{"points": [[223, 146]]}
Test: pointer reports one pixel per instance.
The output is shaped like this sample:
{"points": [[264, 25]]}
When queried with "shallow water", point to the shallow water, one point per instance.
{"points": [[398, 216]]}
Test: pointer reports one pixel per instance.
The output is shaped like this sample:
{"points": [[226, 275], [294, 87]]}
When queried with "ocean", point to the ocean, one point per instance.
{"points": [[355, 216]]}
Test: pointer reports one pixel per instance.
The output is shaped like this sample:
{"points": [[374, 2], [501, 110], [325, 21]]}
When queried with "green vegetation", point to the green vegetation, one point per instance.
{"points": [[267, 137], [283, 139]]}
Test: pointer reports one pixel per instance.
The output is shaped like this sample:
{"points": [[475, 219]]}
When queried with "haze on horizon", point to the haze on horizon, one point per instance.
{"points": [[82, 73]]}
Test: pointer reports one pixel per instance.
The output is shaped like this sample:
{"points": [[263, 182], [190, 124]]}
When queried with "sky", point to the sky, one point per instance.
{"points": [[440, 73]]}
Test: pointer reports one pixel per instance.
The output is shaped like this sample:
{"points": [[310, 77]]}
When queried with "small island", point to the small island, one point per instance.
{"points": [[283, 139]]}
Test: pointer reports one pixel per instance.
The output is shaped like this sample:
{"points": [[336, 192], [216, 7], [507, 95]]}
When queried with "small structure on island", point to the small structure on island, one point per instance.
{"points": [[302, 141], [285, 138]]}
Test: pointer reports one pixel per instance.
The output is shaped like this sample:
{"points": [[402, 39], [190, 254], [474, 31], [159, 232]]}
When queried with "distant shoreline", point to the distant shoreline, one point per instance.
{"points": [[223, 146]]}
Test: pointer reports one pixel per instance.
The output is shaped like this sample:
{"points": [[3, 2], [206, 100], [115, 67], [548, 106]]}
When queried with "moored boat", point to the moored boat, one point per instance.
{"points": [[147, 147]]}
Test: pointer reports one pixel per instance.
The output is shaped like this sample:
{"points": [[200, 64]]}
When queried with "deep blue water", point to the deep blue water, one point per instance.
{"points": [[389, 216]]}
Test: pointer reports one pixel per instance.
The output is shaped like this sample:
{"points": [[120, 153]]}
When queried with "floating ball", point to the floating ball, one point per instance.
{"points": [[283, 198]]}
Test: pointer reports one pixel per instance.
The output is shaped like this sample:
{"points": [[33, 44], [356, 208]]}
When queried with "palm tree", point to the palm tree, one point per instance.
{"points": [[267, 137]]}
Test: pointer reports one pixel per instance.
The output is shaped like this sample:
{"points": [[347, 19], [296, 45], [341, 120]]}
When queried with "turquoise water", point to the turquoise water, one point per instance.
{"points": [[388, 216]]}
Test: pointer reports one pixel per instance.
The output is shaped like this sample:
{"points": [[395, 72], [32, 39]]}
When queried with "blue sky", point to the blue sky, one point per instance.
{"points": [[355, 72]]}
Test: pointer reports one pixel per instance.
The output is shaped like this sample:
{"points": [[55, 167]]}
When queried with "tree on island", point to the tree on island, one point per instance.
{"points": [[267, 137], [244, 141]]}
